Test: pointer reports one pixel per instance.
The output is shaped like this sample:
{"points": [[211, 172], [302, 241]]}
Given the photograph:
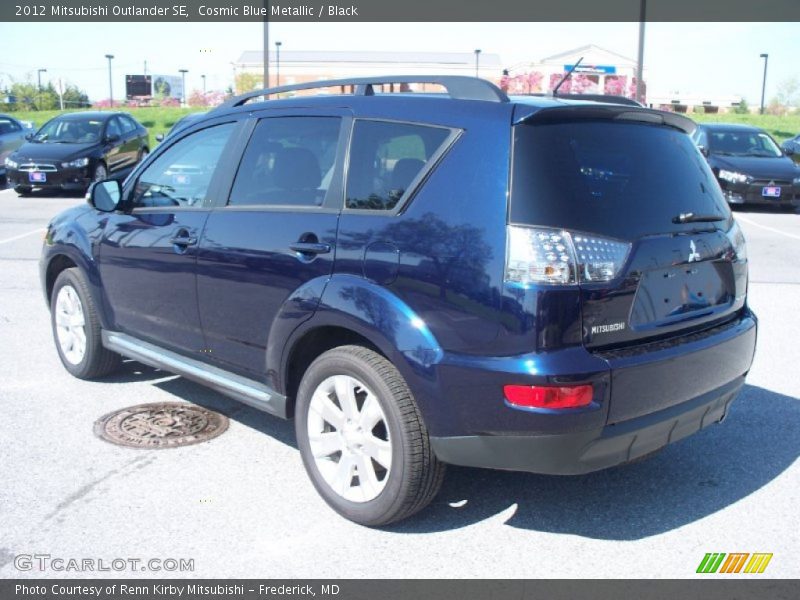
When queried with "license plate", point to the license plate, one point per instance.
{"points": [[771, 191], [37, 177]]}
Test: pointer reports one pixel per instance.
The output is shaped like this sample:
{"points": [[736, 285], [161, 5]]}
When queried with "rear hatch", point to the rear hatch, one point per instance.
{"points": [[649, 239]]}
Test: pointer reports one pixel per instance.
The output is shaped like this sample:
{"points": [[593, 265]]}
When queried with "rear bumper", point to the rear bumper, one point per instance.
{"points": [[587, 451], [645, 398]]}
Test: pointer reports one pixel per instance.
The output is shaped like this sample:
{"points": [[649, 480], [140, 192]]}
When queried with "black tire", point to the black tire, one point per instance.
{"points": [[23, 191], [97, 361], [415, 475]]}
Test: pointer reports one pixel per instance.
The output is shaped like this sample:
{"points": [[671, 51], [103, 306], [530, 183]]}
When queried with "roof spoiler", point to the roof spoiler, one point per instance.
{"points": [[552, 114]]}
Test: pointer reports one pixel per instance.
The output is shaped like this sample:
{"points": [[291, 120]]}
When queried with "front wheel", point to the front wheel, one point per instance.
{"points": [[362, 438], [23, 191], [76, 328]]}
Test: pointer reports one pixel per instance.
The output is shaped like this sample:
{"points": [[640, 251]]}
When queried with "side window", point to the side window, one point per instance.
{"points": [[385, 158], [288, 161], [113, 128], [182, 174], [127, 125], [8, 126]]}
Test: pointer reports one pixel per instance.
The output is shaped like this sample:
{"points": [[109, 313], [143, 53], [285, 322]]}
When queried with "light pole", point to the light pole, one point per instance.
{"points": [[477, 61], [278, 63], [110, 89], [266, 44], [640, 58], [183, 73], [39, 87], [764, 81], [204, 84]]}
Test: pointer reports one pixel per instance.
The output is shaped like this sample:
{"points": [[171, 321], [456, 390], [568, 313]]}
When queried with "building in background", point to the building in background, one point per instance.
{"points": [[301, 66], [601, 72]]}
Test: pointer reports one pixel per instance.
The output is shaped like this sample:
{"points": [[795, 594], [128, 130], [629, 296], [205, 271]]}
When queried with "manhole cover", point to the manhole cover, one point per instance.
{"points": [[160, 425]]}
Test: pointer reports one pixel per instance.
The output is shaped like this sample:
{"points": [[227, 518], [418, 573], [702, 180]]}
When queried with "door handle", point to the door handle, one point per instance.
{"points": [[310, 247], [183, 239]]}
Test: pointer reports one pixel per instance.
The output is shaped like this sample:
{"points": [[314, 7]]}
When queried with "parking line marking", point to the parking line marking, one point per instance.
{"points": [[772, 229], [24, 235]]}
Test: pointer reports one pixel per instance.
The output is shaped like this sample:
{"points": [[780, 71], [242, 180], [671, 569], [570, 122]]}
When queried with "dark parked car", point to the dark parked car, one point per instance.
{"points": [[12, 136], [72, 150], [750, 166], [529, 284], [791, 147]]}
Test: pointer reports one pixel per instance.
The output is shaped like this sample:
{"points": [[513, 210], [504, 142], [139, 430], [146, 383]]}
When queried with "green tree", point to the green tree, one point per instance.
{"points": [[30, 98], [246, 82], [74, 97], [788, 92], [742, 108]]}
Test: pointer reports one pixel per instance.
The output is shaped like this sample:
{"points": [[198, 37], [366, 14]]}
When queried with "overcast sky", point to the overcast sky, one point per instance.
{"points": [[690, 58]]}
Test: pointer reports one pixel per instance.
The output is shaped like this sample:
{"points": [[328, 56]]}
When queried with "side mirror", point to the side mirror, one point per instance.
{"points": [[788, 151], [703, 150], [112, 138], [159, 137], [29, 136], [105, 195]]}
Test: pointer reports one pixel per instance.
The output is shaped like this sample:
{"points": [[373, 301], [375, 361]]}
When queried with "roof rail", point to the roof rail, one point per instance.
{"points": [[458, 87]]}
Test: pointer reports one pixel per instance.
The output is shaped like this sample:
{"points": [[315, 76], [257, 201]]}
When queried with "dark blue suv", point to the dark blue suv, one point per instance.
{"points": [[420, 278]]}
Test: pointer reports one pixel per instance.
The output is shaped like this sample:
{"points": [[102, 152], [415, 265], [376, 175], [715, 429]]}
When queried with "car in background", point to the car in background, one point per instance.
{"points": [[750, 166], [72, 150], [791, 147], [12, 136], [180, 124]]}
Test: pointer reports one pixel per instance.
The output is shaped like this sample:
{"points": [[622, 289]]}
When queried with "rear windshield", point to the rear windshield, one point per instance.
{"points": [[622, 180]]}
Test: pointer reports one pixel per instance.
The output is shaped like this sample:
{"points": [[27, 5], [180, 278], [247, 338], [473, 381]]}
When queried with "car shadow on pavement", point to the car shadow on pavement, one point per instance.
{"points": [[131, 371], [278, 429], [687, 481]]}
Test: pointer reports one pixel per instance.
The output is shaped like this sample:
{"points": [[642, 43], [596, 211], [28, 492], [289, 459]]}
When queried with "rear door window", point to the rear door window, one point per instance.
{"points": [[289, 161], [386, 159], [623, 180]]}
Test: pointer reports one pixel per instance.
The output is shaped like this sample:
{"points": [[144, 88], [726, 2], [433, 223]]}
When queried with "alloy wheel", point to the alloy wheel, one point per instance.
{"points": [[70, 325], [349, 438]]}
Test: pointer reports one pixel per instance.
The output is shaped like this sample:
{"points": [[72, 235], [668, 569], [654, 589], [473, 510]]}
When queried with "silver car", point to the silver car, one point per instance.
{"points": [[12, 136]]}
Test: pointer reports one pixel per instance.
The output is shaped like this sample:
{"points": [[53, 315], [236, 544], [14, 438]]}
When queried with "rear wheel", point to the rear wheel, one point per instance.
{"points": [[362, 438], [76, 328]]}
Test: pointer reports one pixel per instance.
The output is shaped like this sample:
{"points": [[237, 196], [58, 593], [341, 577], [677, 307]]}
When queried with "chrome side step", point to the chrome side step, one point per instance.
{"points": [[248, 391]]}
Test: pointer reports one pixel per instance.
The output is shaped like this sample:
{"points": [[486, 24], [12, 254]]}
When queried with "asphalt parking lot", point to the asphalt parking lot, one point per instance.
{"points": [[241, 505]]}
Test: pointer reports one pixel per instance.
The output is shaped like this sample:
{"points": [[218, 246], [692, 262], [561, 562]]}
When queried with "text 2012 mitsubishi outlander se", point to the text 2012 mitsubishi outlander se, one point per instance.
{"points": [[418, 279]]}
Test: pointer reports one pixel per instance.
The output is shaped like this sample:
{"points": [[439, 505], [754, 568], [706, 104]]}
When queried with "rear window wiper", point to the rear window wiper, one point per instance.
{"points": [[690, 217]]}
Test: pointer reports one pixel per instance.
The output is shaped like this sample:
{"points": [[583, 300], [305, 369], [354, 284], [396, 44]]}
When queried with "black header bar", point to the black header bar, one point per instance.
{"points": [[398, 10]]}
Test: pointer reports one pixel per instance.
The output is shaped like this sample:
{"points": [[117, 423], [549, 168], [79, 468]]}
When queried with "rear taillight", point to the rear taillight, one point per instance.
{"points": [[557, 256], [736, 238], [535, 396]]}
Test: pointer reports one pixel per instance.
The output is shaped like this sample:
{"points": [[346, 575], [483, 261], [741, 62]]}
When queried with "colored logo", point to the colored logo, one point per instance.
{"points": [[736, 562]]}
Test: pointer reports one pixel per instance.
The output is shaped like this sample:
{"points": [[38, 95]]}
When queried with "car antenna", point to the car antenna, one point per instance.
{"points": [[567, 76]]}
